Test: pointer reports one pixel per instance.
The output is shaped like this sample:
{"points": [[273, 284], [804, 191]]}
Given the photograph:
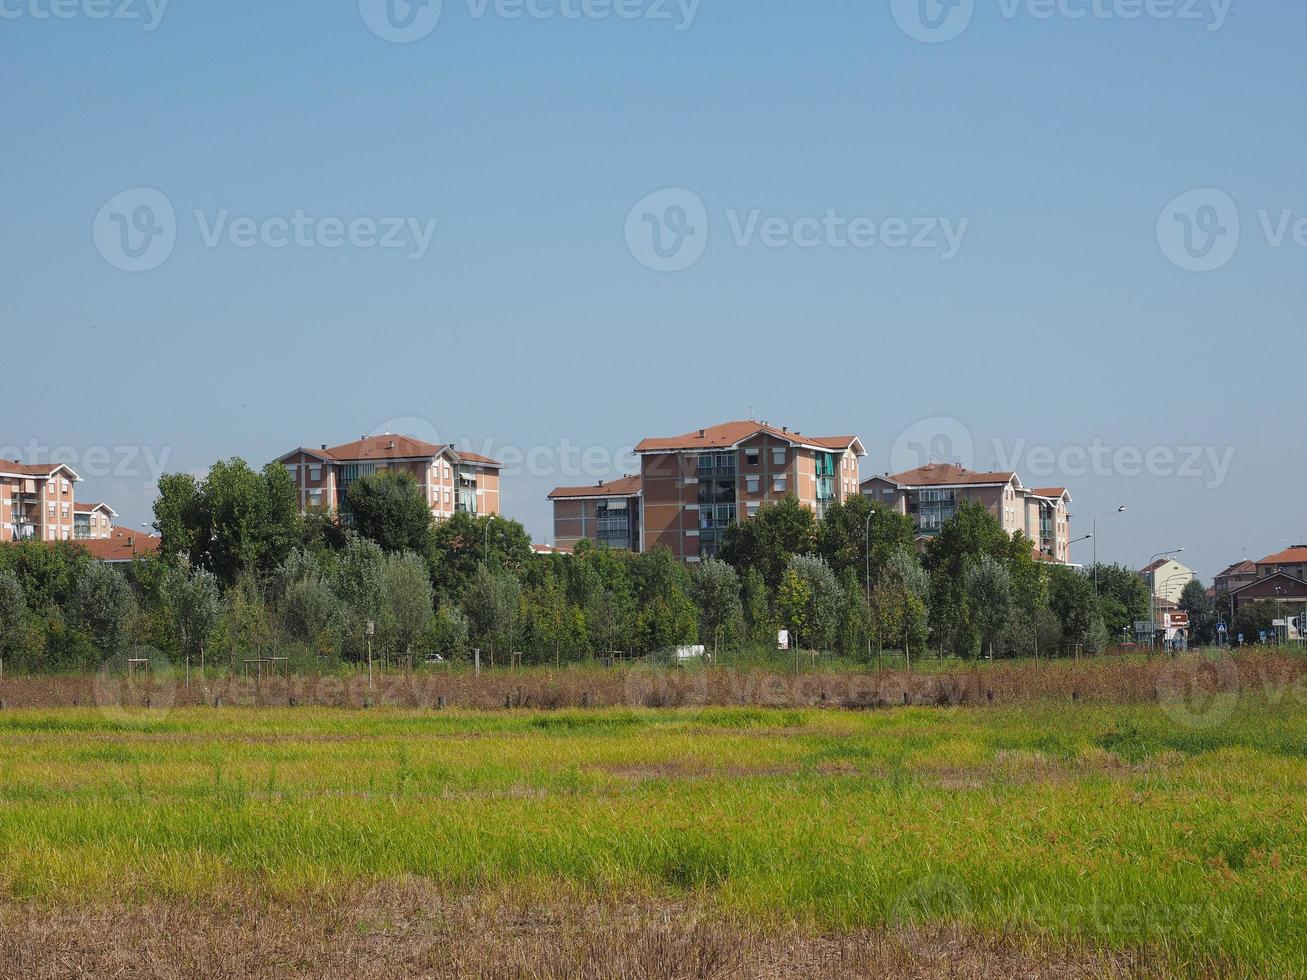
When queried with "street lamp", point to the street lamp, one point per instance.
{"points": [[1119, 510], [490, 519], [867, 535]]}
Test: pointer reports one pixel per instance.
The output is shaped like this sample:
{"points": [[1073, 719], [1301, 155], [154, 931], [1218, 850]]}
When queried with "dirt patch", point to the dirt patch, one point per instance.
{"points": [[410, 928]]}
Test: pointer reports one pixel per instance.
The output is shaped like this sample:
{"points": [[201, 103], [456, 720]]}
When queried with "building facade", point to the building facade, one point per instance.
{"points": [[606, 514], [93, 522], [1166, 578], [932, 494], [452, 480], [1291, 562], [37, 501], [1235, 577], [694, 486]]}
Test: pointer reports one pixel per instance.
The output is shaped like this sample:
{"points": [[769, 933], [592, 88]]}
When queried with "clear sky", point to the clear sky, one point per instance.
{"points": [[975, 243]]}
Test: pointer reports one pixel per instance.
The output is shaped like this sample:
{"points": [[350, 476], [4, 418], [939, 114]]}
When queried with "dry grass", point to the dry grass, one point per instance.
{"points": [[1111, 680], [409, 928]]}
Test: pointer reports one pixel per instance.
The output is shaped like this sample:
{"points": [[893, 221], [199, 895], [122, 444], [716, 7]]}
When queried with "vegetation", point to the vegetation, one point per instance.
{"points": [[1115, 827]]}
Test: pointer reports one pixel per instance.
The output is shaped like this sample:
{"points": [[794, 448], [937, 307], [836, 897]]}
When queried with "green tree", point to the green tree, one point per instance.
{"points": [[1255, 618], [717, 594], [47, 573], [1122, 596], [360, 585], [793, 600], [194, 603], [388, 508], [988, 589], [102, 606], [491, 602], [233, 520], [842, 536], [769, 539], [13, 614], [315, 615], [1071, 597], [406, 601], [759, 622], [459, 546], [821, 617], [1202, 612]]}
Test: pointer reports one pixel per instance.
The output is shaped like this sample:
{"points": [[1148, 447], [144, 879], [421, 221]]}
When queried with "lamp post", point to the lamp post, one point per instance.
{"points": [[867, 536], [1119, 510], [485, 557]]}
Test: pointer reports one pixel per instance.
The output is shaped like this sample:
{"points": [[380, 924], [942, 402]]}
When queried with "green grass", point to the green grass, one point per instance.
{"points": [[1113, 825]]}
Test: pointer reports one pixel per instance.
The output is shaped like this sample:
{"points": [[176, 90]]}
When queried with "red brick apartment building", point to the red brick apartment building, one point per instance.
{"points": [[37, 501], [931, 494], [452, 480], [692, 487]]}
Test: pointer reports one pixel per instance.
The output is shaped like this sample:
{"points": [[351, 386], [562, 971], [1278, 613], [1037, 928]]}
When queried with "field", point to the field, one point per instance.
{"points": [[1022, 836]]}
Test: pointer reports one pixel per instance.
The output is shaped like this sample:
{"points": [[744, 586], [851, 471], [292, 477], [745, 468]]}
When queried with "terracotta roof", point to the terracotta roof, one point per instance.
{"points": [[730, 434], [9, 467], [390, 447], [627, 486], [1297, 555], [549, 549], [1050, 492], [1156, 565], [947, 475], [121, 545]]}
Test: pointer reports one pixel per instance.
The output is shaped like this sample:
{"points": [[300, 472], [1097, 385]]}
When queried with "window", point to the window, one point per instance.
{"points": [[751, 483], [753, 509], [778, 457], [51, 508], [779, 483], [315, 498], [315, 473], [751, 457]]}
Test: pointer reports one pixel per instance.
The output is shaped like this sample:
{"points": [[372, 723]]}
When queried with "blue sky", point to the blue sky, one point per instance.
{"points": [[1062, 322]]}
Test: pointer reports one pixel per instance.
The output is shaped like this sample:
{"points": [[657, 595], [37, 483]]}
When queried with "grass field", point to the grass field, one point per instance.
{"points": [[1054, 838]]}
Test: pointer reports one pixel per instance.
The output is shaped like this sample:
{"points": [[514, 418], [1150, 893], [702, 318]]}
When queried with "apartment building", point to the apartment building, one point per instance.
{"points": [[93, 522], [606, 514], [931, 495], [1235, 577], [694, 486], [1291, 562], [453, 480], [37, 501]]}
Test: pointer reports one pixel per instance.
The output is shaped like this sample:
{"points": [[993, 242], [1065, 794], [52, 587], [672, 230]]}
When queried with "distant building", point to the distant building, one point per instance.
{"points": [[696, 485], [607, 514], [452, 480], [1291, 562], [932, 494], [1166, 578], [121, 546], [1235, 577], [37, 501], [92, 521]]}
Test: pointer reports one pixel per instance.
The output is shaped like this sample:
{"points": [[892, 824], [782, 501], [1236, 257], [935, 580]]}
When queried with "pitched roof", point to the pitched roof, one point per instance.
{"points": [[1244, 567], [122, 545], [1297, 555], [947, 475], [1268, 578], [92, 508], [730, 434], [627, 486], [9, 467], [1154, 566], [393, 447], [1050, 492], [549, 549]]}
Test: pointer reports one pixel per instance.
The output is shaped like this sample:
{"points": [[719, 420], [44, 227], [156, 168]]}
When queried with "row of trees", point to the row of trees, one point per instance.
{"points": [[242, 572]]}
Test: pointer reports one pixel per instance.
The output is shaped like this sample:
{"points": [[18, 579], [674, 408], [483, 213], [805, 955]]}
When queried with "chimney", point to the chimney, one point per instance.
{"points": [[324, 447], [785, 428], [391, 444], [702, 433]]}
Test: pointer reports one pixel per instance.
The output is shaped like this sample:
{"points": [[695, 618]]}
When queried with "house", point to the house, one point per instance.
{"points": [[931, 495], [605, 513], [37, 501], [1166, 578], [1291, 561], [122, 545], [452, 480], [1236, 576]]}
